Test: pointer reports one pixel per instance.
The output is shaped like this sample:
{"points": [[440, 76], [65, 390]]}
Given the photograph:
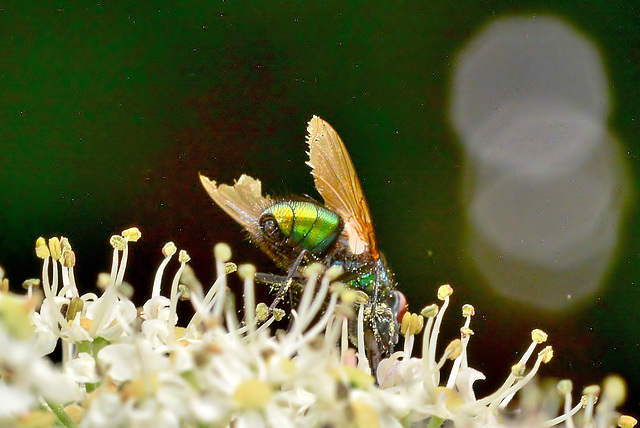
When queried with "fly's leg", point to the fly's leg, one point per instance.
{"points": [[271, 279], [286, 285], [283, 282], [275, 282]]}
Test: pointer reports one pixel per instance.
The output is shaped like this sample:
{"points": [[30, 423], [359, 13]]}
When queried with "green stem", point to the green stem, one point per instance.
{"points": [[88, 347], [84, 346], [435, 422], [63, 416]]}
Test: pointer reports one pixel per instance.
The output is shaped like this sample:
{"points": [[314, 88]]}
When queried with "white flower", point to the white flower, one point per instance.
{"points": [[45, 338], [47, 323], [128, 361], [14, 401], [105, 411], [465, 381], [156, 308], [29, 372], [82, 369], [78, 330], [156, 332], [51, 383], [110, 316], [122, 371]]}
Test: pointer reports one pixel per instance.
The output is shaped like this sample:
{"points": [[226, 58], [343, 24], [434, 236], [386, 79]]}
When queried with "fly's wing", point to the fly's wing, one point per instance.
{"points": [[244, 203], [337, 182]]}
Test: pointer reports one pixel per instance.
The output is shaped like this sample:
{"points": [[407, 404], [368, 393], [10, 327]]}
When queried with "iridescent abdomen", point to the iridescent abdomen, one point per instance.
{"points": [[301, 224]]}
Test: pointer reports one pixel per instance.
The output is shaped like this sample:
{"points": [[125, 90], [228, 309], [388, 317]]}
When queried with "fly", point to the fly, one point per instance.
{"points": [[294, 232]]}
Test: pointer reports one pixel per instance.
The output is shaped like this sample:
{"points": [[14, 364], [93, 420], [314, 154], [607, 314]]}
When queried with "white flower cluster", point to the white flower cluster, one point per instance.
{"points": [[128, 367]]}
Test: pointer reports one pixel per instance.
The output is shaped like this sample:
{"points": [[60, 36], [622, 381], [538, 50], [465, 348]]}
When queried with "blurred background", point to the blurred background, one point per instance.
{"points": [[108, 112]]}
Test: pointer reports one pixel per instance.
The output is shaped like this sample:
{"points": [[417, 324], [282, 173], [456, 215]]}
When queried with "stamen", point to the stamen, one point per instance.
{"points": [[278, 314], [312, 273], [316, 329], [444, 291], [68, 260], [56, 253], [319, 300], [411, 325], [502, 391], [172, 321], [430, 313], [451, 352], [123, 266], [626, 421], [344, 339], [614, 393], [544, 356], [333, 330], [566, 417], [168, 251], [222, 253], [363, 362], [247, 273], [54, 310], [132, 234], [590, 398]]}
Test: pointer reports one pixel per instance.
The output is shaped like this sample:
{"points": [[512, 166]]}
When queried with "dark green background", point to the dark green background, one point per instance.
{"points": [[107, 113]]}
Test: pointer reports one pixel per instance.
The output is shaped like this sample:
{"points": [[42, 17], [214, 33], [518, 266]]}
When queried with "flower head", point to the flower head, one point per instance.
{"points": [[127, 367]]}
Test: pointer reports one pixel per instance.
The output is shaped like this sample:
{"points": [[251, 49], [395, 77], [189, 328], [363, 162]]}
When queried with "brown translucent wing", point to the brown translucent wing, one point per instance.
{"points": [[244, 202], [337, 182]]}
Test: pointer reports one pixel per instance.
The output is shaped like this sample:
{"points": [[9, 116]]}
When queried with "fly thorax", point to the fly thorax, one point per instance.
{"points": [[365, 282], [301, 224]]}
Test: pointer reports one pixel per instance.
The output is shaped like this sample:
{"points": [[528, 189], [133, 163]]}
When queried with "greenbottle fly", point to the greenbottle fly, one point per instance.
{"points": [[294, 232]]}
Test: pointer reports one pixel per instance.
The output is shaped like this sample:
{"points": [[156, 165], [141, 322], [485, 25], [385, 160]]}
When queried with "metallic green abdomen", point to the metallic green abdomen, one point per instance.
{"points": [[303, 224]]}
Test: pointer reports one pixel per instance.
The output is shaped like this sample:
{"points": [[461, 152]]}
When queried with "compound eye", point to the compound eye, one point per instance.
{"points": [[399, 304], [270, 229]]}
